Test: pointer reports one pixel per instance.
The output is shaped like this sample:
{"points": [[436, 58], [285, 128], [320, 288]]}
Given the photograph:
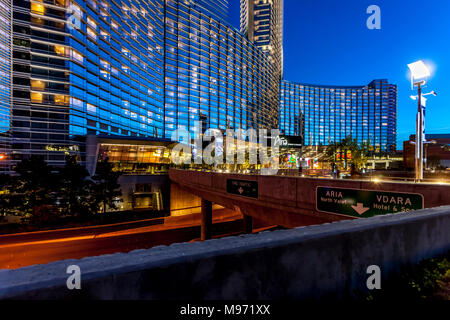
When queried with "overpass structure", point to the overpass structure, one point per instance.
{"points": [[298, 201]]}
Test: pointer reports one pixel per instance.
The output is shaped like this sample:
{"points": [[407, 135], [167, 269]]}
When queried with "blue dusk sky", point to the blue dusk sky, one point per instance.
{"points": [[328, 42]]}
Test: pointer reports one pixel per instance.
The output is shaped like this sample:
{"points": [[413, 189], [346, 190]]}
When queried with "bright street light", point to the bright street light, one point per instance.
{"points": [[419, 76], [419, 71]]}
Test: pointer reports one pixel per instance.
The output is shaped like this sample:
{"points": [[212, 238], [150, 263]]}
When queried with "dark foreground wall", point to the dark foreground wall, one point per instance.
{"points": [[316, 262]]}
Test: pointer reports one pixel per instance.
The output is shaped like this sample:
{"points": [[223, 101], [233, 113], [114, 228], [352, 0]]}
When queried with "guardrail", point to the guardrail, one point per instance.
{"points": [[373, 176]]}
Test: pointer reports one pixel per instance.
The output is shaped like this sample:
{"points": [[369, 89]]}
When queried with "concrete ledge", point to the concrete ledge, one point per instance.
{"points": [[318, 262]]}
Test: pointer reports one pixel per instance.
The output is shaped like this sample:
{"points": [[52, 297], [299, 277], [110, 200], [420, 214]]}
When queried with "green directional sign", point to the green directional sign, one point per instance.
{"points": [[365, 203]]}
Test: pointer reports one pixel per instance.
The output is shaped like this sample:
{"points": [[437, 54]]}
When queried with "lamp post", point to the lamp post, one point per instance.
{"points": [[419, 76]]}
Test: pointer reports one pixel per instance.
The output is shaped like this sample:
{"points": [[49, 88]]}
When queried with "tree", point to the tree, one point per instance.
{"points": [[359, 152], [433, 162], [106, 188], [5, 181], [330, 153], [34, 184], [76, 194]]}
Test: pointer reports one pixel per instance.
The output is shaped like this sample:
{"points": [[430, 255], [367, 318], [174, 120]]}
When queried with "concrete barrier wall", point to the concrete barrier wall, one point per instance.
{"points": [[318, 262]]}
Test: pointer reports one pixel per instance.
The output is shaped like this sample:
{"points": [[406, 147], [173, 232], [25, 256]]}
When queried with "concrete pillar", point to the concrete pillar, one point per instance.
{"points": [[206, 220], [248, 224]]}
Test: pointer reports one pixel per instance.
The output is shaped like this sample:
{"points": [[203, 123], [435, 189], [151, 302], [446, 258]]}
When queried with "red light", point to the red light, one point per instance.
{"points": [[2, 156]]}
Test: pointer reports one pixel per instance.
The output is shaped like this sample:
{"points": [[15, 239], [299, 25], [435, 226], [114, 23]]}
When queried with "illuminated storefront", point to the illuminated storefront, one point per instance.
{"points": [[144, 166]]}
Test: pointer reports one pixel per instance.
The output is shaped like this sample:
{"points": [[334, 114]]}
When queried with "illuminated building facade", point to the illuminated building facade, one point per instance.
{"points": [[331, 113], [5, 77], [262, 23], [215, 8], [214, 74], [115, 68]]}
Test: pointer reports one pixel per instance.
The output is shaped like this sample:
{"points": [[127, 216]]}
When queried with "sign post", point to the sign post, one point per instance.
{"points": [[365, 203]]}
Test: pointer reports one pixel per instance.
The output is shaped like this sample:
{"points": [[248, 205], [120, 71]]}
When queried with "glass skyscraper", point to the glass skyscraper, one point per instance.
{"points": [[262, 23], [5, 76], [214, 74], [143, 69], [128, 68], [331, 113]]}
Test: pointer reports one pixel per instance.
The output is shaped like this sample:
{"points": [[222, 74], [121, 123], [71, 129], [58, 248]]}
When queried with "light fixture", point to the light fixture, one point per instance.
{"points": [[419, 76], [419, 70]]}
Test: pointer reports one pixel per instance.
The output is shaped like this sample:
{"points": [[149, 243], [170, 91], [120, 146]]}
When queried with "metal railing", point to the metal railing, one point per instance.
{"points": [[371, 176]]}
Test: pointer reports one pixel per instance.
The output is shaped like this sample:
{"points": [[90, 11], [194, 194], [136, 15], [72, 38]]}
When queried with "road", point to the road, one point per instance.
{"points": [[42, 247]]}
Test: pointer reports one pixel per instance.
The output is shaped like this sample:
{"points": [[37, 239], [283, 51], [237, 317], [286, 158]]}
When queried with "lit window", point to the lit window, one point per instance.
{"points": [[91, 108], [77, 56], [104, 64], [37, 85], [105, 35], [91, 34], [36, 97], [37, 8], [61, 99], [104, 74], [91, 23], [60, 50], [76, 103]]}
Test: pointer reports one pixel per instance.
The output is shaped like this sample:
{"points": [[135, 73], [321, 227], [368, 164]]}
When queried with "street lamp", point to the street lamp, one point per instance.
{"points": [[419, 76]]}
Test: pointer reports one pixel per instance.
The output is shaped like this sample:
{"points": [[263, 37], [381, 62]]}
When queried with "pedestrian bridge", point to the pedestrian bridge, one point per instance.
{"points": [[291, 201]]}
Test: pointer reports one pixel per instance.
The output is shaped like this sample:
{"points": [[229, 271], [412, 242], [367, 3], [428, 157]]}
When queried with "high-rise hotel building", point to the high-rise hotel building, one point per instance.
{"points": [[328, 114], [5, 76], [214, 74], [262, 23], [142, 69], [124, 68]]}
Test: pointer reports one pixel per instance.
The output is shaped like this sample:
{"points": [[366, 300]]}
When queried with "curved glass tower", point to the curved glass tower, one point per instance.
{"points": [[130, 68], [214, 74], [331, 113]]}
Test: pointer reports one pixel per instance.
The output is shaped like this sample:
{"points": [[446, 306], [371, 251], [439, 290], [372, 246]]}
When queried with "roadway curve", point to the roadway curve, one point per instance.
{"points": [[25, 249]]}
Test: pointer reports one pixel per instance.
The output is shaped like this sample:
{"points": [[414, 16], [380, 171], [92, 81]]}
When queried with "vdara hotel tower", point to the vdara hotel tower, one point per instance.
{"points": [[125, 68], [331, 113]]}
